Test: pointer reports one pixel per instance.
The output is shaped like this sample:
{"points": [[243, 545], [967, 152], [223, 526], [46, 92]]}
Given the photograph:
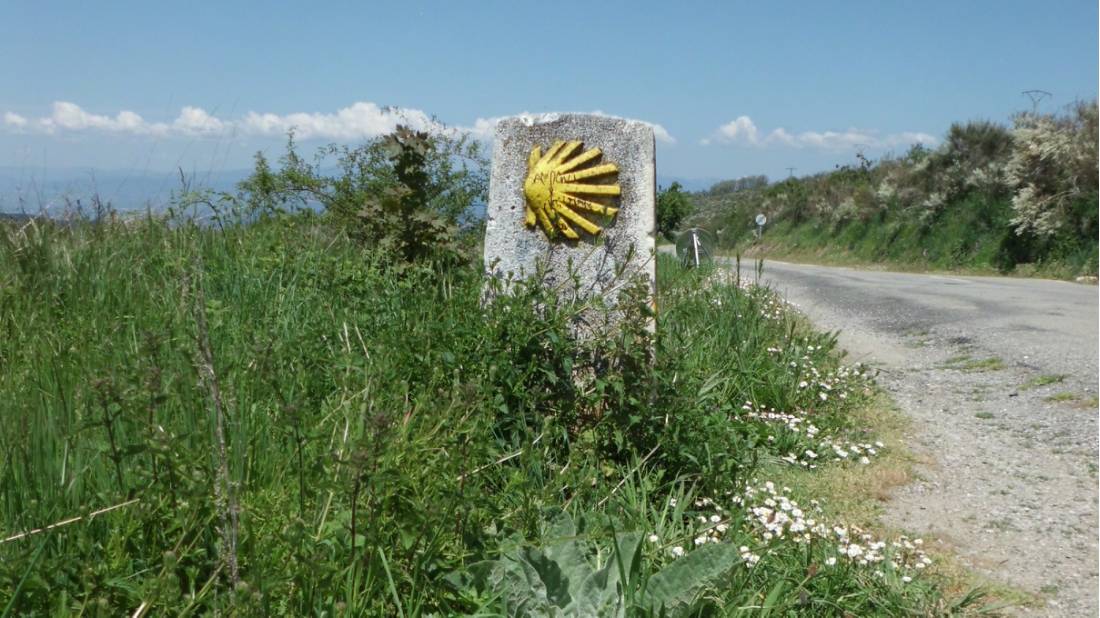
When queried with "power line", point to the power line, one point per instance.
{"points": [[1036, 96]]}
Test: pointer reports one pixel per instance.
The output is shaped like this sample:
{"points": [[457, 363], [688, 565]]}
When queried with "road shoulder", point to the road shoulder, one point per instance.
{"points": [[1005, 474]]}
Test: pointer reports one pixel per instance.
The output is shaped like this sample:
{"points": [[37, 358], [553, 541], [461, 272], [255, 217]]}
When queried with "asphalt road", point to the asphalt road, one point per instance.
{"points": [[999, 378]]}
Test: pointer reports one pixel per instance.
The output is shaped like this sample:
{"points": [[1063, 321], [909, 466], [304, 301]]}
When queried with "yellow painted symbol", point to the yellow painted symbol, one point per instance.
{"points": [[562, 182]]}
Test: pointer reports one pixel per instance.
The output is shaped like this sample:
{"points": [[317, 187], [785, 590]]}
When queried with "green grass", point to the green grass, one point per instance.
{"points": [[983, 364], [385, 431], [1062, 396], [966, 363], [968, 237], [1043, 380]]}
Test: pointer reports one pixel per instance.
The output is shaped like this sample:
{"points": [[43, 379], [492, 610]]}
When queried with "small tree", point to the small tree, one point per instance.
{"points": [[403, 193], [673, 205]]}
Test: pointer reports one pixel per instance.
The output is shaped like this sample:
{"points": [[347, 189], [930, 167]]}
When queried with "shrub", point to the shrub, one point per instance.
{"points": [[672, 206], [403, 193], [1054, 169]]}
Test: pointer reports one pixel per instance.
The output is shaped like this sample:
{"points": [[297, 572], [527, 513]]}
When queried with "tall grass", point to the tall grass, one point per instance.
{"points": [[270, 419]]}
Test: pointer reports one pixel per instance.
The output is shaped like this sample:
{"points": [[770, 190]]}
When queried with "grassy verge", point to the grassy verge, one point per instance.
{"points": [[858, 494], [838, 256], [268, 419], [970, 246], [988, 199]]}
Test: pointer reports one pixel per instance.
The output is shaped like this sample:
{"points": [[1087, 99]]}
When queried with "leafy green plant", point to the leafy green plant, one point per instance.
{"points": [[383, 427], [569, 576], [673, 206], [404, 193]]}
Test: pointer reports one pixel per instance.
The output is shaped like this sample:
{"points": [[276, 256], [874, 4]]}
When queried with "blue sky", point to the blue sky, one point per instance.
{"points": [[733, 88]]}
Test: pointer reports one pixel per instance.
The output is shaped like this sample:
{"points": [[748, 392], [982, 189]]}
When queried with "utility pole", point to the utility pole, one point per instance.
{"points": [[1036, 96], [790, 172]]}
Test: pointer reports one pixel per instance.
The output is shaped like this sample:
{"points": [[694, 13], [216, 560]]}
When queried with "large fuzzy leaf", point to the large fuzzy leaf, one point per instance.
{"points": [[565, 548], [681, 581]]}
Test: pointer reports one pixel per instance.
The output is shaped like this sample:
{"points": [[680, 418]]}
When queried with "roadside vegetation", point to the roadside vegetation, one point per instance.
{"points": [[1018, 200], [290, 412]]}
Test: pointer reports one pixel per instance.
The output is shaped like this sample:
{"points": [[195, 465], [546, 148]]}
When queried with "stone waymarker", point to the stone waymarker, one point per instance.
{"points": [[575, 194]]}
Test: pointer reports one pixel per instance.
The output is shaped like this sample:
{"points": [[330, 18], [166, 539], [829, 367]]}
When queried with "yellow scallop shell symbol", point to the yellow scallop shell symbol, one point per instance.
{"points": [[562, 183]]}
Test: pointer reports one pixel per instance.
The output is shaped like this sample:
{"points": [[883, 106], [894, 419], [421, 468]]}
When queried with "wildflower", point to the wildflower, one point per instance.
{"points": [[864, 460], [652, 538], [906, 579], [677, 551], [830, 561]]}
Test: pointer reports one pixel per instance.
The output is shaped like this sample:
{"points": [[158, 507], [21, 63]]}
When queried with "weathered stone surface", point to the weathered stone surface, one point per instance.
{"points": [[624, 249]]}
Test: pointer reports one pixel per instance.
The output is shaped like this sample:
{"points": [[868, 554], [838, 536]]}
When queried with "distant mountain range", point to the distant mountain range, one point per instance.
{"points": [[32, 190]]}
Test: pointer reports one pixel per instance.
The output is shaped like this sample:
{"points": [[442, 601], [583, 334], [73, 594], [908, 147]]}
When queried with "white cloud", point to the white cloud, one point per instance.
{"points": [[832, 140], [196, 121], [743, 130], [360, 120], [68, 116], [662, 134], [781, 136], [14, 120], [908, 138]]}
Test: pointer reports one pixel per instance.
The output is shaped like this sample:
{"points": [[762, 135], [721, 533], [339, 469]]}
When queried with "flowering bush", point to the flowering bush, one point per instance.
{"points": [[1053, 169]]}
